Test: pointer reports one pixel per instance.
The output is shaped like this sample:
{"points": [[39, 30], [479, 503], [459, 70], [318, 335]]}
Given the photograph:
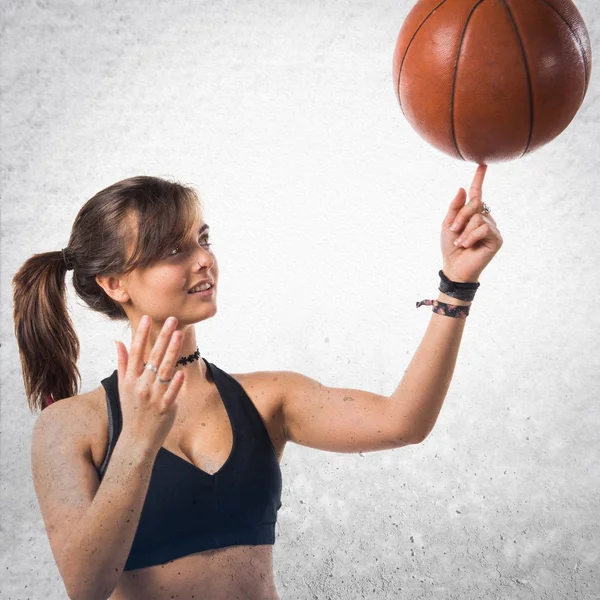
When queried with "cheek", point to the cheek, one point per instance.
{"points": [[168, 280]]}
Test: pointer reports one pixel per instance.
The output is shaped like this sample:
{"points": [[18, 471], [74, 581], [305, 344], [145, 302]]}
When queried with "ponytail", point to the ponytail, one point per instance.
{"points": [[48, 344]]}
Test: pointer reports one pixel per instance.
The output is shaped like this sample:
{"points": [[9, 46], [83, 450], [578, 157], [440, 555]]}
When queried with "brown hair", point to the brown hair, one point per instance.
{"points": [[154, 214]]}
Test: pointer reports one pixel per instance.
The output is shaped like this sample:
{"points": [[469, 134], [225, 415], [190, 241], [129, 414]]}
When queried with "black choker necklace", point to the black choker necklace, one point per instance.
{"points": [[187, 359]]}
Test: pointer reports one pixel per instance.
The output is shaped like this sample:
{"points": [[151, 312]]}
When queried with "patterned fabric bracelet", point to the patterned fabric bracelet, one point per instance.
{"points": [[448, 310]]}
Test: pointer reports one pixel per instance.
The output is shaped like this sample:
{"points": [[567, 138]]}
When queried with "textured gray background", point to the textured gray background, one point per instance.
{"points": [[325, 209]]}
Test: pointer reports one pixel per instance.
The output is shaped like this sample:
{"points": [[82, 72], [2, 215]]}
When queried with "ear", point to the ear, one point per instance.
{"points": [[114, 287]]}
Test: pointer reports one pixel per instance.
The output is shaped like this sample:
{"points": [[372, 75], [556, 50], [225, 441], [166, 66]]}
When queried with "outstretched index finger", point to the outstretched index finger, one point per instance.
{"points": [[476, 189]]}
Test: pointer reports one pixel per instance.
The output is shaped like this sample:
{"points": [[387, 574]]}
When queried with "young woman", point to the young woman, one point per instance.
{"points": [[164, 481]]}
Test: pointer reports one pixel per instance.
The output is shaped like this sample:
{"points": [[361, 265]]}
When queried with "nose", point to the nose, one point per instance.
{"points": [[205, 258]]}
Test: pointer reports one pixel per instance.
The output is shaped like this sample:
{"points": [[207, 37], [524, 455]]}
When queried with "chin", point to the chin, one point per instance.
{"points": [[209, 311]]}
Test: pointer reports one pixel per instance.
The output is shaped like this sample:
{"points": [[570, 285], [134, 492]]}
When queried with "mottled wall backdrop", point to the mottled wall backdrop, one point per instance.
{"points": [[325, 209]]}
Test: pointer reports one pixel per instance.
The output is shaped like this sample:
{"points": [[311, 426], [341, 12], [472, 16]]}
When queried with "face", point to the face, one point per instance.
{"points": [[161, 290]]}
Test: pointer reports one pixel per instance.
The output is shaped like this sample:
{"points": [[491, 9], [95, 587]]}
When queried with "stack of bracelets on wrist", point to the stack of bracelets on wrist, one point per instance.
{"points": [[460, 291]]}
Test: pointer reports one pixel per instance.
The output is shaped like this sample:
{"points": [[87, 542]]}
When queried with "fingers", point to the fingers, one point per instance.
{"points": [[166, 371], [455, 206], [475, 191], [167, 366], [477, 228], [477, 234], [135, 363], [490, 219], [160, 346], [475, 200]]}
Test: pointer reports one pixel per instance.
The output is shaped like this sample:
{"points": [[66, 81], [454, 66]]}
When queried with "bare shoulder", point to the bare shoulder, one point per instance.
{"points": [[76, 413], [82, 418], [264, 388]]}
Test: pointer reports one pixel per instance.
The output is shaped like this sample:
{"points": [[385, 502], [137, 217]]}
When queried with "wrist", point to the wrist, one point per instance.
{"points": [[136, 453], [450, 300]]}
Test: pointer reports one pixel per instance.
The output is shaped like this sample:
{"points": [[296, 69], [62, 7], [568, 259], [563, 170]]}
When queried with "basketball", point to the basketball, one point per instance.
{"points": [[491, 80]]}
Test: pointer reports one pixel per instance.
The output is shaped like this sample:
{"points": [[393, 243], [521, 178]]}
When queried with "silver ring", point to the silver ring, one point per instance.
{"points": [[486, 209], [154, 370]]}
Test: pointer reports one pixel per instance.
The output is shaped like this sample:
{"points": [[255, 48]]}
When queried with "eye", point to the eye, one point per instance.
{"points": [[202, 243]]}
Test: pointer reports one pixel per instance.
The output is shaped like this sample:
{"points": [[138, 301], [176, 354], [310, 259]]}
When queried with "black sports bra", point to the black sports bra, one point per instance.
{"points": [[188, 510]]}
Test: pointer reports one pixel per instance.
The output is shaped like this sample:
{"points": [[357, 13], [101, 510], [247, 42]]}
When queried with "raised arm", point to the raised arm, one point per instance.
{"points": [[347, 420]]}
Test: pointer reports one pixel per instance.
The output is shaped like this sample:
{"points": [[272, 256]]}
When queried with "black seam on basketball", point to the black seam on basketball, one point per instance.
{"points": [[406, 52], [583, 58], [527, 73], [462, 38]]}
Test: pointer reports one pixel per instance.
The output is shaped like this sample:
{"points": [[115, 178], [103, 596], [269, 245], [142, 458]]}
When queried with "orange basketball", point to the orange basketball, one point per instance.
{"points": [[491, 80]]}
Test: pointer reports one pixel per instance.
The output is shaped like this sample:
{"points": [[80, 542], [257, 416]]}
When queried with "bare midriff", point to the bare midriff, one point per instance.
{"points": [[231, 573]]}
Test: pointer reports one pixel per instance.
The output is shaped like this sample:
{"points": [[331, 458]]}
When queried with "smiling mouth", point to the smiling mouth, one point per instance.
{"points": [[206, 291]]}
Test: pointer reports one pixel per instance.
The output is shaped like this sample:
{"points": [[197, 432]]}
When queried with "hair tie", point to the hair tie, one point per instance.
{"points": [[67, 261]]}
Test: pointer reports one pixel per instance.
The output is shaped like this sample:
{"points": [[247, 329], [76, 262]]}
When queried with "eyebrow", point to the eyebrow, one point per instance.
{"points": [[205, 226]]}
